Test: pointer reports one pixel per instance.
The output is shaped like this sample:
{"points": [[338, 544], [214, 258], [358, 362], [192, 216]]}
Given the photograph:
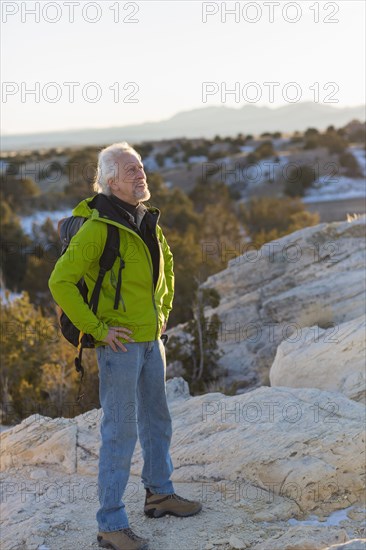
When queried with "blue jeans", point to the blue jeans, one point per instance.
{"points": [[133, 398]]}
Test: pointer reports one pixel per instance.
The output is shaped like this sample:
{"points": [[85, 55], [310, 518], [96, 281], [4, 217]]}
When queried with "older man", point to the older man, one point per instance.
{"points": [[135, 300]]}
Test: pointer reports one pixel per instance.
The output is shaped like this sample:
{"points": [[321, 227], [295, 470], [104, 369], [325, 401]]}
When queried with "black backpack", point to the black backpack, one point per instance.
{"points": [[67, 228]]}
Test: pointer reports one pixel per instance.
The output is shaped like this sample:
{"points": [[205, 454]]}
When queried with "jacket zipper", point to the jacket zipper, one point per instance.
{"points": [[123, 303], [153, 297]]}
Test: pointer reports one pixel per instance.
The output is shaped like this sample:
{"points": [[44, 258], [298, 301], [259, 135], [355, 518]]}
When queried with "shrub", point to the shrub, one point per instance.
{"points": [[299, 179], [266, 219], [349, 161]]}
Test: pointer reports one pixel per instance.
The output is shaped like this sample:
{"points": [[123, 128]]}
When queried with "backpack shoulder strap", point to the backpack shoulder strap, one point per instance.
{"points": [[111, 249], [106, 261]]}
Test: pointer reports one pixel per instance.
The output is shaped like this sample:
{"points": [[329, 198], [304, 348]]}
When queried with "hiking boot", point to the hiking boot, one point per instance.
{"points": [[157, 506], [124, 539]]}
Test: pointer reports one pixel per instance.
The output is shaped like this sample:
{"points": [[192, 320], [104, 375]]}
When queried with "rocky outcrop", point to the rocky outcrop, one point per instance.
{"points": [[313, 277], [260, 462], [40, 440], [328, 359], [288, 443]]}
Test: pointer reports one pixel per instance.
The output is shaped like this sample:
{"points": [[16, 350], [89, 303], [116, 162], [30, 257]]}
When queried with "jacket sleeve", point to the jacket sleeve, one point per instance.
{"points": [[169, 277], [84, 249]]}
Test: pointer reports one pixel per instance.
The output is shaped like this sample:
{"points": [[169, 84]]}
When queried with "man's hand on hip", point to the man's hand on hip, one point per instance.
{"points": [[114, 333]]}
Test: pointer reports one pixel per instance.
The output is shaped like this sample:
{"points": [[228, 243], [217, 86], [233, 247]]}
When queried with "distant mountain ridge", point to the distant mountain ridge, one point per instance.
{"points": [[202, 122]]}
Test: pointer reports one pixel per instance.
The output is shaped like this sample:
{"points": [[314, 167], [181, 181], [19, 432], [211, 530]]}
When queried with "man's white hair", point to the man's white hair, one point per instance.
{"points": [[108, 165]]}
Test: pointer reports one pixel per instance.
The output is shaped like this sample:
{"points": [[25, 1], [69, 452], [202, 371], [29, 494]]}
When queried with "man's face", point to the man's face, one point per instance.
{"points": [[129, 183]]}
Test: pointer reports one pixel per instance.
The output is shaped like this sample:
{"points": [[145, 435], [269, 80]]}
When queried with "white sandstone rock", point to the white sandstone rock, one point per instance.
{"points": [[332, 359], [40, 440], [235, 542], [177, 388]]}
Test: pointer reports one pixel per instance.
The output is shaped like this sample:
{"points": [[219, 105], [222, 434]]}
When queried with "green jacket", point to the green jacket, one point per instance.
{"points": [[142, 309]]}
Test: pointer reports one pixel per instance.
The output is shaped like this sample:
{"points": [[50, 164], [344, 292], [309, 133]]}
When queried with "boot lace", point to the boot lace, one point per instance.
{"points": [[128, 531], [177, 497]]}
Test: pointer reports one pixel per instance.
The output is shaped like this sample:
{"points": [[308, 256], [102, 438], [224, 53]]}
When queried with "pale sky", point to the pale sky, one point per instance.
{"points": [[169, 52]]}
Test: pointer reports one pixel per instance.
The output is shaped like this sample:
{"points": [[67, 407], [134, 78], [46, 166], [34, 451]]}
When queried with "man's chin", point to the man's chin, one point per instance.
{"points": [[142, 195]]}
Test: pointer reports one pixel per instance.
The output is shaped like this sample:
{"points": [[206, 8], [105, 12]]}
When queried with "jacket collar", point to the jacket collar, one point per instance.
{"points": [[109, 210], [133, 213]]}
